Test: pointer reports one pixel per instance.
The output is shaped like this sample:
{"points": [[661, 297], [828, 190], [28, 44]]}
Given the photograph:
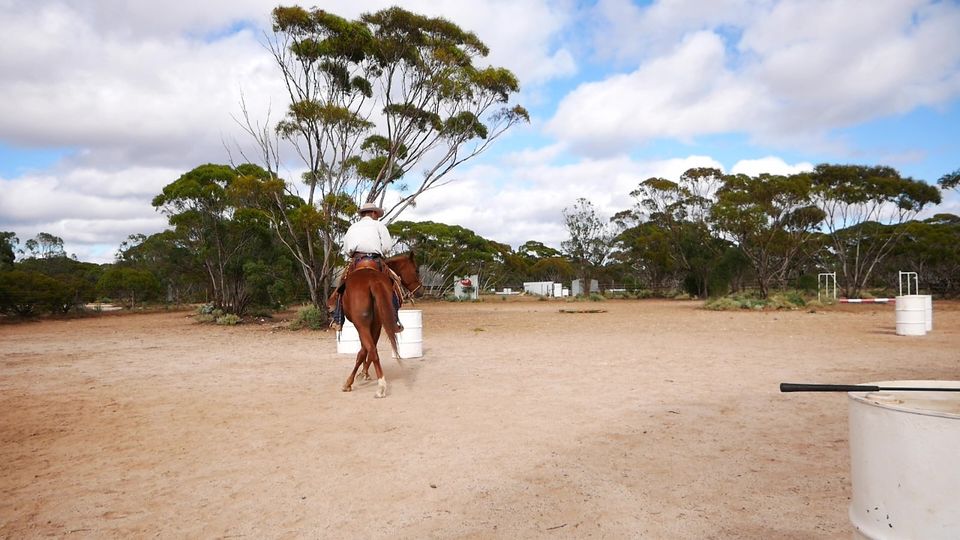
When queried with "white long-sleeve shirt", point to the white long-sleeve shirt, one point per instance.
{"points": [[369, 236]]}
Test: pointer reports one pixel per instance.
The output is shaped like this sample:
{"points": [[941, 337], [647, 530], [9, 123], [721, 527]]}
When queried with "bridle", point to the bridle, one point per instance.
{"points": [[410, 292]]}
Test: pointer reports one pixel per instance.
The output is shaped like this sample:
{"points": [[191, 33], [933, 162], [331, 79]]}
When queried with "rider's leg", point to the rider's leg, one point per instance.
{"points": [[396, 310]]}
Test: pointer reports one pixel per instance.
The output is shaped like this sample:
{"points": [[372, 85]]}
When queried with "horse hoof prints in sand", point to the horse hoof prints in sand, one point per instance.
{"points": [[368, 303]]}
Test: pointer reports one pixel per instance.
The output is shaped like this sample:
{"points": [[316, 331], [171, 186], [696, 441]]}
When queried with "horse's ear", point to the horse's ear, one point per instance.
{"points": [[412, 256]]}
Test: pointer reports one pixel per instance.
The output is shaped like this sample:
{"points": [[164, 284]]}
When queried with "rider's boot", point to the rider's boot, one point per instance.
{"points": [[336, 316]]}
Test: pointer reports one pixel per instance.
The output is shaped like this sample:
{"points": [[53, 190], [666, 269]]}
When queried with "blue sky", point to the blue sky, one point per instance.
{"points": [[106, 102]]}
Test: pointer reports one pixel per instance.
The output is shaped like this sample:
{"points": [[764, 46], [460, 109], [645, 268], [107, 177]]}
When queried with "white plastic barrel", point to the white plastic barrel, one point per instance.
{"points": [[410, 341], [348, 340], [911, 315], [905, 472], [929, 311]]}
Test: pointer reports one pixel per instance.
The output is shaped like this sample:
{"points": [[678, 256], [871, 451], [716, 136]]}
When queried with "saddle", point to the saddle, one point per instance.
{"points": [[374, 262]]}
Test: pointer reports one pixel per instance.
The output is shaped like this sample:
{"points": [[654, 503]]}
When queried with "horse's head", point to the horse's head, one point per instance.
{"points": [[405, 267]]}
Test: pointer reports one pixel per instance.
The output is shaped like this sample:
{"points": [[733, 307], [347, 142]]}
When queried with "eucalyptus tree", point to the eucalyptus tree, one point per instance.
{"points": [[8, 243], [45, 246], [683, 210], [130, 284], [371, 101], [932, 249], [770, 218], [536, 261], [644, 252], [950, 180], [863, 207], [169, 257], [445, 251], [590, 240], [203, 207]]}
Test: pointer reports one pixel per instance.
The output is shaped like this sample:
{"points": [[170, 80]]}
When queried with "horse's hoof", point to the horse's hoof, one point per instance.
{"points": [[346, 389], [380, 394]]}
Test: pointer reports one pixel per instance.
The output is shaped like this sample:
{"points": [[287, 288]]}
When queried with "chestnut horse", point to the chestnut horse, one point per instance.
{"points": [[368, 304]]}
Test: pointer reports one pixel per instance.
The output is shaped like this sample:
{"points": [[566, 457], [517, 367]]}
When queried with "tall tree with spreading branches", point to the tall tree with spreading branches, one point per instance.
{"points": [[382, 109], [863, 209], [590, 239]]}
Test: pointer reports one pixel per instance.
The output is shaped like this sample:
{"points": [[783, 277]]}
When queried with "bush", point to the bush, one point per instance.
{"points": [[724, 303], [597, 297], [789, 300], [26, 293], [309, 317], [228, 320]]}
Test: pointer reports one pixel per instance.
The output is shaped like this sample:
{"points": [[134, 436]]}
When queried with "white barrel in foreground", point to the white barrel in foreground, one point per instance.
{"points": [[911, 315], [410, 341], [903, 460]]}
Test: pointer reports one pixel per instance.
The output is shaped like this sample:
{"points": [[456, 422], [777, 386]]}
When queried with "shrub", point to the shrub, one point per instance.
{"points": [[790, 300], [228, 320], [309, 317], [596, 297], [25, 293], [724, 303]]}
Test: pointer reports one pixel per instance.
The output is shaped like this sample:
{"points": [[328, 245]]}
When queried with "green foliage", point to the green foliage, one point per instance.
{"points": [[311, 317], [789, 301], [950, 180], [130, 284], [27, 293], [590, 239], [770, 218], [208, 207], [45, 246], [178, 269], [8, 243], [228, 320], [864, 208], [451, 250]]}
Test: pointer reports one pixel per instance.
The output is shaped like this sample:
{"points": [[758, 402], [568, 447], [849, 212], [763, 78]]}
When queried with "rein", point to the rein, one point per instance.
{"points": [[409, 294]]}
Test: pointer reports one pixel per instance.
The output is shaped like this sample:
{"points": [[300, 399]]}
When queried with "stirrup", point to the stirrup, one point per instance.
{"points": [[334, 325]]}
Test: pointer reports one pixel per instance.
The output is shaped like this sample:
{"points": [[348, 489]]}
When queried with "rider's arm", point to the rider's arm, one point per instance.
{"points": [[386, 241]]}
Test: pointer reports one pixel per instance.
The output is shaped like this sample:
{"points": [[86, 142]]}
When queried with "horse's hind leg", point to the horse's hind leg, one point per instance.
{"points": [[348, 386], [381, 380], [364, 374]]}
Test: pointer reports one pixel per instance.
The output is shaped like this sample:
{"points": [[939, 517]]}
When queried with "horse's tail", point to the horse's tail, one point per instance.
{"points": [[382, 291]]}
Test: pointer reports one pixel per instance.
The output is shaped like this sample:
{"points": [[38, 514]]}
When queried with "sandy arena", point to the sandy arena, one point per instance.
{"points": [[656, 419]]}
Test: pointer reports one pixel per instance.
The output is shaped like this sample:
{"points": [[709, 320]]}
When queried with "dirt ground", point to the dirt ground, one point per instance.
{"points": [[655, 419]]}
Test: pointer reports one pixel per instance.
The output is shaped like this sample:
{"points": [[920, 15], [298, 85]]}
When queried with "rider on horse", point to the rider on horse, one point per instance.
{"points": [[365, 244]]}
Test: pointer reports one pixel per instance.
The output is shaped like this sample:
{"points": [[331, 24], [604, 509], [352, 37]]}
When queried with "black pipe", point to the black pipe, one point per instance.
{"points": [[795, 387]]}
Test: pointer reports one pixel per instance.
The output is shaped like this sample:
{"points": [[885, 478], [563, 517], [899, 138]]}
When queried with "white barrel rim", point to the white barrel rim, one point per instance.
{"points": [[901, 402]]}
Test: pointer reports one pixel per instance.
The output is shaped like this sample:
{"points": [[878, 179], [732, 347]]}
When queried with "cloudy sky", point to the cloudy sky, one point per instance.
{"points": [[103, 102]]}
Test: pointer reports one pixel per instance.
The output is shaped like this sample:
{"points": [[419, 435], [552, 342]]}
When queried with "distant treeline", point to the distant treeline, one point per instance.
{"points": [[708, 234]]}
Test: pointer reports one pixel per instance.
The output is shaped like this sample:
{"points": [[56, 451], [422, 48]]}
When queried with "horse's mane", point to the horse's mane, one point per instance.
{"points": [[405, 255]]}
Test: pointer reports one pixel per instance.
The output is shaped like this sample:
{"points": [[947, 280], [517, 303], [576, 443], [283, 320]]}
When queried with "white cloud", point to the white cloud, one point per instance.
{"points": [[92, 211], [632, 33], [687, 93], [520, 202], [770, 165], [784, 72]]}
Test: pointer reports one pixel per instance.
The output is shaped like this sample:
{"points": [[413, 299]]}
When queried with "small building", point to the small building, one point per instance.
{"points": [[540, 288], [577, 288]]}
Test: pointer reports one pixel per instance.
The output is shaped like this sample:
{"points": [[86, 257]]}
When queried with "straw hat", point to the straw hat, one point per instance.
{"points": [[371, 207]]}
